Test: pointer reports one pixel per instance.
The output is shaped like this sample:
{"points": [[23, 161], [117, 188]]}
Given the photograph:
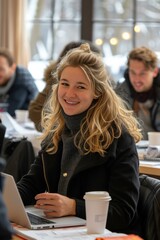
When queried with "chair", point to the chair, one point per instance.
{"points": [[19, 155], [149, 207]]}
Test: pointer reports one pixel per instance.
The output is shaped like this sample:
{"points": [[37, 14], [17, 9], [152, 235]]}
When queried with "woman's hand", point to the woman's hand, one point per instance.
{"points": [[55, 205]]}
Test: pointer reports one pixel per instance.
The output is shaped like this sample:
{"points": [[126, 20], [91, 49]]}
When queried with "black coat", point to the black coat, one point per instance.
{"points": [[117, 172], [5, 226]]}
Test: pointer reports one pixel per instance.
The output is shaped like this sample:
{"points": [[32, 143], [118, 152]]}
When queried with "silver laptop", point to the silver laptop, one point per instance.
{"points": [[31, 217]]}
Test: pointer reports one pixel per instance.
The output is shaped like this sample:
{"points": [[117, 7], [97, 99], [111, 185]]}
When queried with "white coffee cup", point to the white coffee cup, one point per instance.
{"points": [[96, 204], [154, 138], [21, 115]]}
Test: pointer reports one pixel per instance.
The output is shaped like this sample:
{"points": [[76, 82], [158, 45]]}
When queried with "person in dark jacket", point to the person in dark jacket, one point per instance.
{"points": [[5, 226], [6, 230], [88, 144], [141, 88], [17, 86]]}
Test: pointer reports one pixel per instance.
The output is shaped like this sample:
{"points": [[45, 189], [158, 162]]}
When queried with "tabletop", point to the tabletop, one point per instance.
{"points": [[147, 166]]}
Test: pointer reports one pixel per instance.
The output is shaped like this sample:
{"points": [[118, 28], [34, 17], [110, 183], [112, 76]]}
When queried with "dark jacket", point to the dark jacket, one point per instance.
{"points": [[6, 230], [117, 172], [126, 91], [21, 92]]}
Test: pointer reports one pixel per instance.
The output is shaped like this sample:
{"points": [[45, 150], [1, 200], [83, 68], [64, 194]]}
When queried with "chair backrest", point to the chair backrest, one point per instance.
{"points": [[19, 155], [149, 207]]}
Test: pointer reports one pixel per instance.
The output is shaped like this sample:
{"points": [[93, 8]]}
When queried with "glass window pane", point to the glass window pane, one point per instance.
{"points": [[117, 37], [40, 9], [46, 43], [70, 9], [64, 33], [116, 42], [40, 40], [51, 24], [148, 10], [113, 9], [149, 36]]}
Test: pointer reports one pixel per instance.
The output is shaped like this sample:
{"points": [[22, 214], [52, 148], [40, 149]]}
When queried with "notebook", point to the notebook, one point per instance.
{"points": [[29, 216]]}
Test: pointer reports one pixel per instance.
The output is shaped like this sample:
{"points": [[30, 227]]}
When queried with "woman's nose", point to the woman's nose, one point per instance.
{"points": [[71, 92]]}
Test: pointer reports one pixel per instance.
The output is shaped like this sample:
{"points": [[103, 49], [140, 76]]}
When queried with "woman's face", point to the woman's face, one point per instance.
{"points": [[75, 93]]}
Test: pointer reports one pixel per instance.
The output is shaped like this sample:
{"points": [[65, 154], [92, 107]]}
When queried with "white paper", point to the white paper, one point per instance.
{"points": [[142, 144], [14, 129], [74, 233]]}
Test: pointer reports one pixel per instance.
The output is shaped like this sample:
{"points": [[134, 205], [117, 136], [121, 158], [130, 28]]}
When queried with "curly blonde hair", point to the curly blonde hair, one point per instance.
{"points": [[106, 117]]}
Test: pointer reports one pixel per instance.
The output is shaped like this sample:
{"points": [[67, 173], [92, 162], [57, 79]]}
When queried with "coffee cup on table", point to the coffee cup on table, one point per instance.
{"points": [[21, 115], [96, 204], [154, 139]]}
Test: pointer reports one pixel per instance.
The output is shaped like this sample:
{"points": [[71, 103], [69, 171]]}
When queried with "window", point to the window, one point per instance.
{"points": [[115, 25], [51, 25]]}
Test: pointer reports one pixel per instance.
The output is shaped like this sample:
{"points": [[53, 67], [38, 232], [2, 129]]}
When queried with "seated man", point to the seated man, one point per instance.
{"points": [[141, 88], [17, 86]]}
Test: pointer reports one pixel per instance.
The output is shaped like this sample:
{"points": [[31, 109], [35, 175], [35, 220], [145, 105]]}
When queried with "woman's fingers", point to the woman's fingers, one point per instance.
{"points": [[55, 205]]}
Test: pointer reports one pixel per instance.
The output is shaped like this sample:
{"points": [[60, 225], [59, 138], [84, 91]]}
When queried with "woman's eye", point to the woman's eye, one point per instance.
{"points": [[81, 87], [64, 84]]}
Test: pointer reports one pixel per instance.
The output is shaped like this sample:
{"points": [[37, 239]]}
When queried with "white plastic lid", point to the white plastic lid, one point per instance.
{"points": [[97, 195]]}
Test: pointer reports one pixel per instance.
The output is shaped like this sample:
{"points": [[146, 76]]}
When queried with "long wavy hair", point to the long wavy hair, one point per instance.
{"points": [[105, 118]]}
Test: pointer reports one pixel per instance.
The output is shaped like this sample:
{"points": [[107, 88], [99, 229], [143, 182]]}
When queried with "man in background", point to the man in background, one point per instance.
{"points": [[141, 88], [17, 86]]}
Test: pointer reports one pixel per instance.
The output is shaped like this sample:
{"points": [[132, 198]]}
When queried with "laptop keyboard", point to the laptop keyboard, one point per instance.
{"points": [[37, 220]]}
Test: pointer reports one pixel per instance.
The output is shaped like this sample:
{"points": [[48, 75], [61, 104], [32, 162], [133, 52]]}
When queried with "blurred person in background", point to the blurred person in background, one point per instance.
{"points": [[141, 88], [17, 86], [36, 105]]}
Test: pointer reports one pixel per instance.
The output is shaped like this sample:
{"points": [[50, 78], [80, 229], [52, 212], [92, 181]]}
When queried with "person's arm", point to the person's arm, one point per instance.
{"points": [[33, 187], [17, 99], [24, 79], [22, 91], [55, 205], [33, 182], [30, 85]]}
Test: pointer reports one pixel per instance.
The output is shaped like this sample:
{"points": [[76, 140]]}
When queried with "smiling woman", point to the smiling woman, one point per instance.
{"points": [[75, 93], [88, 144]]}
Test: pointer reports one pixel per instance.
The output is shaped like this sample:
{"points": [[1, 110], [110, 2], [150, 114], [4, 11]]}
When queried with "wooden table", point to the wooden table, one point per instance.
{"points": [[149, 169]]}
